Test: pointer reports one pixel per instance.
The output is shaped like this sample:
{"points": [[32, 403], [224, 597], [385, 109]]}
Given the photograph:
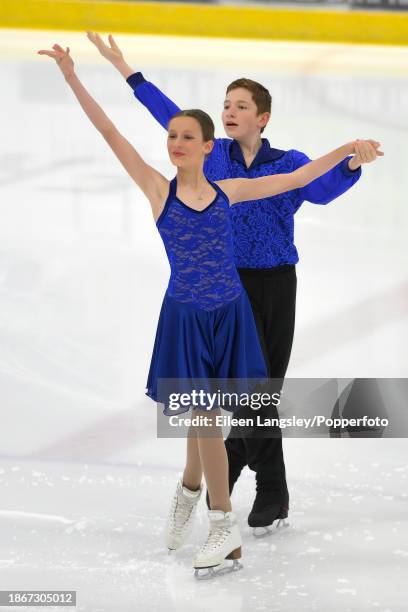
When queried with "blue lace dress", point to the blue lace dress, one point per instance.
{"points": [[206, 328]]}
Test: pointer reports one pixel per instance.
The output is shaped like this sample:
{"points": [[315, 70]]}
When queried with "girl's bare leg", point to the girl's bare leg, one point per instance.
{"points": [[193, 472], [214, 462]]}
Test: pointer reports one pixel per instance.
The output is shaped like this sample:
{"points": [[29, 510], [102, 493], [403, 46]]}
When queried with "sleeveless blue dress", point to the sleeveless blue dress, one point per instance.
{"points": [[206, 329]]}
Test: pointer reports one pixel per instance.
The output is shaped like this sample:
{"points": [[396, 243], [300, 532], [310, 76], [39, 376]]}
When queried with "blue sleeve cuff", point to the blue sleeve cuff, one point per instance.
{"points": [[135, 79], [346, 170]]}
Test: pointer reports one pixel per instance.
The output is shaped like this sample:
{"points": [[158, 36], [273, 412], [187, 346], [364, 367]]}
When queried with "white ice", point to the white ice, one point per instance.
{"points": [[84, 482]]}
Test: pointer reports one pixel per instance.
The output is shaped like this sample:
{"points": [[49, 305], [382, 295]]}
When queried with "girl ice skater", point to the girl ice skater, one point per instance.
{"points": [[206, 327]]}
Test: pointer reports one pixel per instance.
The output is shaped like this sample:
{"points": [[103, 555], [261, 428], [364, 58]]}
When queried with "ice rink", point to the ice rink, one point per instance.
{"points": [[84, 482]]}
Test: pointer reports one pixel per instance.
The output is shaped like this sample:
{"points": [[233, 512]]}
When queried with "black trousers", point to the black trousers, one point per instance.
{"points": [[272, 293]]}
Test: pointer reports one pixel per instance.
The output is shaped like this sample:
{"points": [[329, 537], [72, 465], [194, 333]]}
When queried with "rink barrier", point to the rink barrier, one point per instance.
{"points": [[330, 25]]}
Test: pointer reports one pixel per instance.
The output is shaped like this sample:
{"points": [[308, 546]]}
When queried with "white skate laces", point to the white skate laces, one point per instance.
{"points": [[181, 515], [219, 532], [223, 542]]}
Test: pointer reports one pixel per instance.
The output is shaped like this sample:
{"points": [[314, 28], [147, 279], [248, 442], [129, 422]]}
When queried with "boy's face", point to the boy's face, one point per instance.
{"points": [[240, 115], [185, 142]]}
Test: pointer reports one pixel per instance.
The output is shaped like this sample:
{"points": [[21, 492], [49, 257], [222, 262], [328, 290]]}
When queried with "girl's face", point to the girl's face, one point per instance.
{"points": [[185, 142], [240, 115]]}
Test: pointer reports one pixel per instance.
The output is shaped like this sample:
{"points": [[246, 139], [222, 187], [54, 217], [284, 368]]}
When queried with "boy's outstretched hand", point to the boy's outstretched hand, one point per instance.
{"points": [[112, 52], [365, 151], [62, 58]]}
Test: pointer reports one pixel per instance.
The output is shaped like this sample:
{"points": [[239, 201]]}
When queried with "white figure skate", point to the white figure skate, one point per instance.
{"points": [[181, 515], [223, 542]]}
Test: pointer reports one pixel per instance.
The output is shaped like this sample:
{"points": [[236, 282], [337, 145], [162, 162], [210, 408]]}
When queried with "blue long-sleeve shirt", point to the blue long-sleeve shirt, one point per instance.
{"points": [[263, 230]]}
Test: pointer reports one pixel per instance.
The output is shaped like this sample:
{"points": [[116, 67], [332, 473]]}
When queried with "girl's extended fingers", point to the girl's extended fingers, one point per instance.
{"points": [[376, 152], [374, 143], [358, 147], [370, 151], [364, 151], [58, 48], [46, 52], [371, 154]]}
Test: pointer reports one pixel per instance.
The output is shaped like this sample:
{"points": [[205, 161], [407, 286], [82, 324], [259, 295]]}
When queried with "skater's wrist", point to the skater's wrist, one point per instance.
{"points": [[70, 76], [351, 147], [123, 67], [353, 164]]}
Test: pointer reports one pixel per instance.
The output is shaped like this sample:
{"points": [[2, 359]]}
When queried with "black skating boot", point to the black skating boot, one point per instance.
{"points": [[267, 509]]}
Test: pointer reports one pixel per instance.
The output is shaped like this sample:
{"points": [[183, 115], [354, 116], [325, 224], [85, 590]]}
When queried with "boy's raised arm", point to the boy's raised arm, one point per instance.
{"points": [[156, 102], [159, 105]]}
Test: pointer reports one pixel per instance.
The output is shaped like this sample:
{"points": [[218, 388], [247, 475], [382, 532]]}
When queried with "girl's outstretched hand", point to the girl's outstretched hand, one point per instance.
{"points": [[367, 151], [62, 58], [111, 52]]}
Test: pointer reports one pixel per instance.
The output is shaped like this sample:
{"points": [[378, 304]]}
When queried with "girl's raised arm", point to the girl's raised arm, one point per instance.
{"points": [[151, 182], [242, 190]]}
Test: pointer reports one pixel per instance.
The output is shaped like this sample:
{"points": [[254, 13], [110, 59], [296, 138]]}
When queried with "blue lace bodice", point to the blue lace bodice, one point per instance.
{"points": [[200, 251]]}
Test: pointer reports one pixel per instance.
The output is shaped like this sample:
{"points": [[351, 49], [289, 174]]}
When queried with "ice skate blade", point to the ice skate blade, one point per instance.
{"points": [[219, 570], [263, 532]]}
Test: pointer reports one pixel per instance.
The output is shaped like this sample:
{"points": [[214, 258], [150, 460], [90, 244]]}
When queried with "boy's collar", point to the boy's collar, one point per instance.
{"points": [[265, 154]]}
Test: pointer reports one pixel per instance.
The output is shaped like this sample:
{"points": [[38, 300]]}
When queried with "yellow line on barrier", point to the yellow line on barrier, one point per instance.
{"points": [[213, 21]]}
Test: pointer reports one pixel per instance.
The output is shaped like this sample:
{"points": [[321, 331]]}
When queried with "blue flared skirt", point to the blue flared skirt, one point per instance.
{"points": [[193, 345]]}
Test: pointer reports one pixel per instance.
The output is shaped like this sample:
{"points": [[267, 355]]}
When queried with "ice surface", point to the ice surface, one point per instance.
{"points": [[98, 529]]}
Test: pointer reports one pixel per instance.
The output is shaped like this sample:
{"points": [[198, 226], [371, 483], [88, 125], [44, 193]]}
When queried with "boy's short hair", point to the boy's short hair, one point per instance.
{"points": [[260, 95]]}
